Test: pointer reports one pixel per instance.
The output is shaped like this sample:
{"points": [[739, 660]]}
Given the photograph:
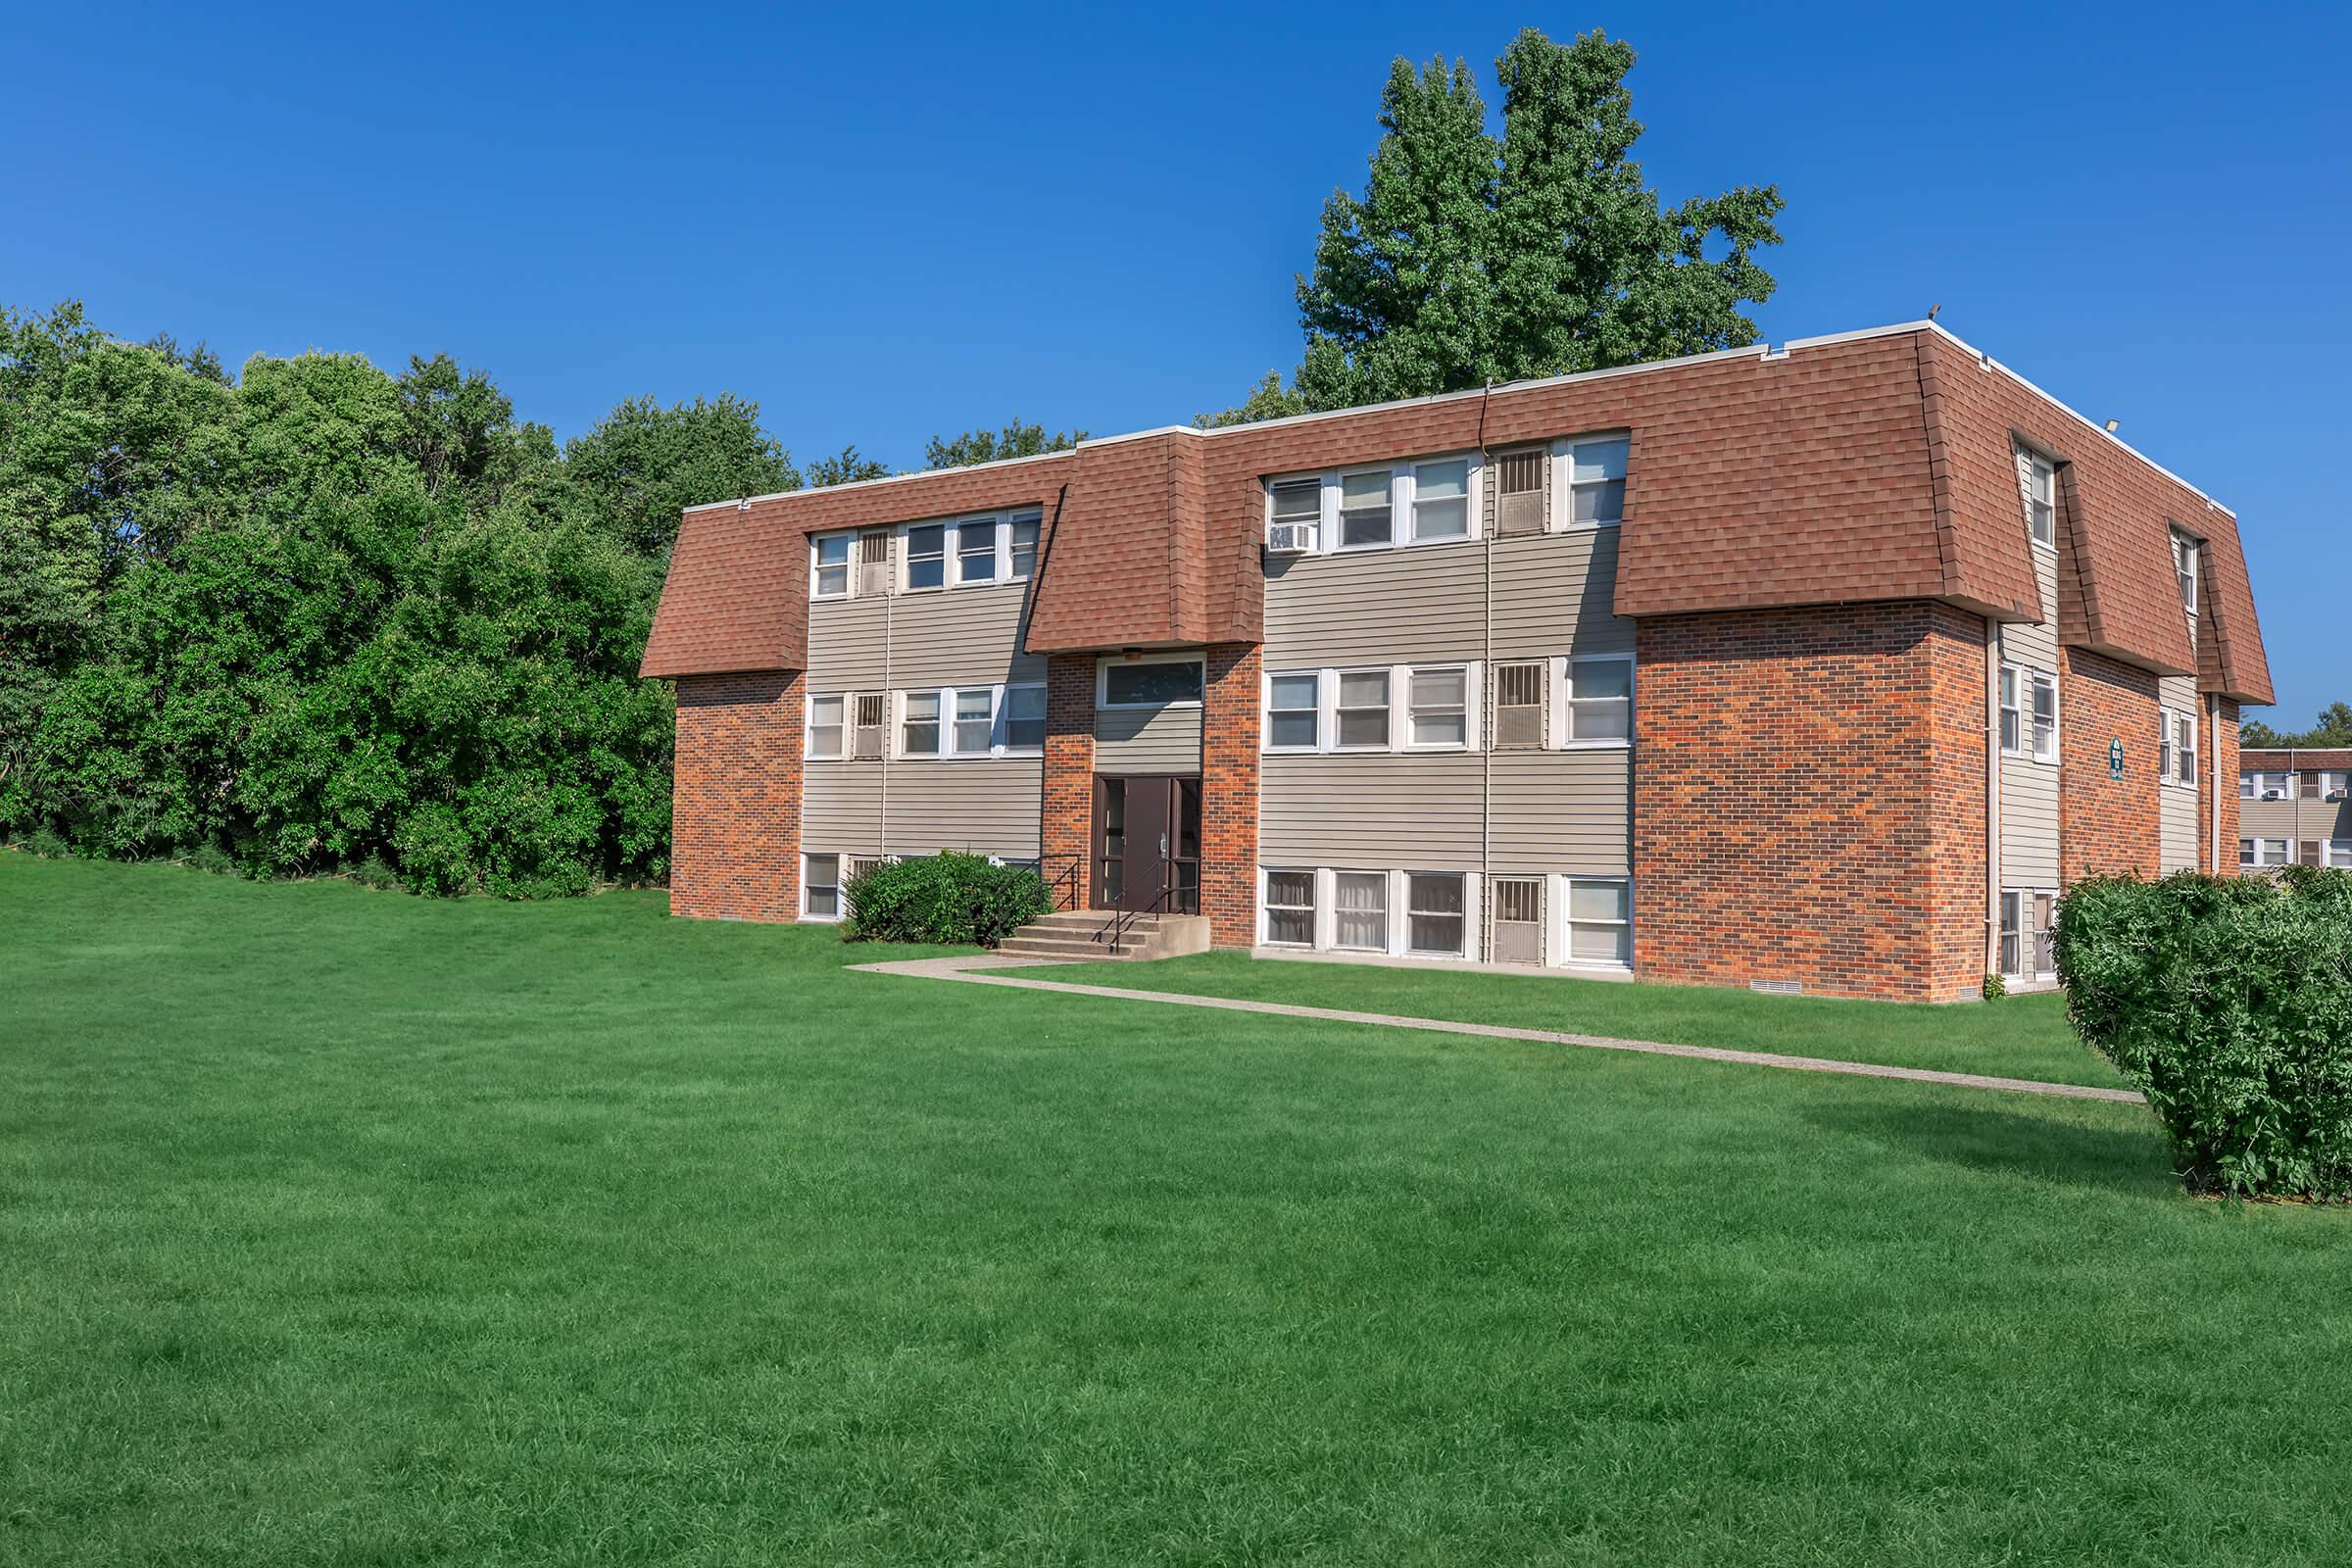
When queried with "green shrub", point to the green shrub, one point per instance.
{"points": [[1995, 987], [946, 897], [48, 843], [2228, 1003], [210, 858], [372, 872]]}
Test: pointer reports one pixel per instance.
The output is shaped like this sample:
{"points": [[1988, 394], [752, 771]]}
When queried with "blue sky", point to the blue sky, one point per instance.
{"points": [[884, 223]]}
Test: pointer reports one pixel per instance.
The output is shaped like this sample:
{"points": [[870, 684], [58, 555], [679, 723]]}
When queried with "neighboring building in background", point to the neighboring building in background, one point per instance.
{"points": [[2294, 808], [1823, 667]]}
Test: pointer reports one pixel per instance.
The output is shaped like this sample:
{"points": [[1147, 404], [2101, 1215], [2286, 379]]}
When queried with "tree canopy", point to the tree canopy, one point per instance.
{"points": [[1015, 440], [2333, 728]]}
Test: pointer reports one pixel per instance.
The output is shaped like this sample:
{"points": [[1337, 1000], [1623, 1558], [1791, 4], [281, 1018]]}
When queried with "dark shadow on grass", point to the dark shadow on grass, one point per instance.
{"points": [[2130, 1159]]}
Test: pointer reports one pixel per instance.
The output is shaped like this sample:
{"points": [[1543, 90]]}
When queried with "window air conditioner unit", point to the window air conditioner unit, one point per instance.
{"points": [[1290, 538], [2273, 795], [2334, 795]]}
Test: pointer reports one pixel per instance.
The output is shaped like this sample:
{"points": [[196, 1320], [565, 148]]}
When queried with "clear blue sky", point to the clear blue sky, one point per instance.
{"points": [[884, 223]]}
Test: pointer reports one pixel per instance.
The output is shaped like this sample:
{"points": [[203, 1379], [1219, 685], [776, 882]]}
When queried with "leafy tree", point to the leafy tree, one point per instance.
{"points": [[1270, 399], [643, 463], [847, 466], [2334, 728], [1468, 260], [1015, 440]]}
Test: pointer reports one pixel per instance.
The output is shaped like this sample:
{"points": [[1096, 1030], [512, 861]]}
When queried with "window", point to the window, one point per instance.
{"points": [[1291, 704], [873, 563], [918, 727], [2262, 851], [1597, 482], [1149, 683], [975, 721], [1024, 718], [2046, 933], [1521, 696], [2012, 910], [1023, 552], [1360, 714], [1291, 908], [2185, 750], [926, 556], [2041, 499], [2335, 786], [976, 550], [831, 555], [2339, 853], [1519, 492], [1442, 500], [1435, 913], [1296, 508], [2266, 786], [1361, 901], [2012, 720], [1515, 919], [820, 886], [2184, 570], [1364, 516], [1601, 700], [1438, 706], [868, 738], [2042, 691], [1601, 922], [826, 729]]}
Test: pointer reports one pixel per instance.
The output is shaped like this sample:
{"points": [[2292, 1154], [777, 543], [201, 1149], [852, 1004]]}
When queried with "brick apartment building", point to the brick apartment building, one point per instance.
{"points": [[2294, 808], [1820, 667]]}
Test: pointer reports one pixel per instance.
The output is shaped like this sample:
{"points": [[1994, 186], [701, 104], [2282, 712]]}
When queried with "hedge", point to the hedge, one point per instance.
{"points": [[2228, 1003], [946, 897]]}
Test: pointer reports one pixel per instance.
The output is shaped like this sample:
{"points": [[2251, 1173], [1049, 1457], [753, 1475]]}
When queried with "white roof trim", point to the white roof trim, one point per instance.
{"points": [[1754, 350]]}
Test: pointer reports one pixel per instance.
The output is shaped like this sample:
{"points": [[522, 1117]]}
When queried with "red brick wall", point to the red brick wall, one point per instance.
{"points": [[1809, 799], [1067, 830], [2106, 827], [735, 812], [1229, 754], [2222, 759]]}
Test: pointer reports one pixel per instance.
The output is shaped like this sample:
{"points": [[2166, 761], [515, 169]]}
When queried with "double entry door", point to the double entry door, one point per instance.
{"points": [[1148, 843]]}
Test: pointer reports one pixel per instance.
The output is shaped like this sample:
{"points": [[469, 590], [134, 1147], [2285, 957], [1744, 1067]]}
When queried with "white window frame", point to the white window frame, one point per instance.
{"points": [[1561, 894], [951, 569], [848, 566], [808, 725], [1102, 668], [1314, 908], [2186, 562], [1000, 537], [1001, 730], [1388, 909], [1469, 740], [2261, 862], [1314, 525], [949, 751], [2027, 946], [1564, 701], [1403, 480], [2337, 854], [2250, 786], [1565, 483], [2039, 466], [2025, 678], [840, 904], [2334, 781], [1403, 937], [1328, 725], [2176, 749], [1317, 709], [904, 555]]}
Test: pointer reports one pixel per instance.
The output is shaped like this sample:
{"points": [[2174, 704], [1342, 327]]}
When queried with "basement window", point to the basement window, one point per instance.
{"points": [[1291, 908], [1361, 901], [1435, 913], [820, 887], [1601, 922]]}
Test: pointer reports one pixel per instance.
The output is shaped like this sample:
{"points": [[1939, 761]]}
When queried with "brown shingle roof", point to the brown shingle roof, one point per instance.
{"points": [[1873, 466]]}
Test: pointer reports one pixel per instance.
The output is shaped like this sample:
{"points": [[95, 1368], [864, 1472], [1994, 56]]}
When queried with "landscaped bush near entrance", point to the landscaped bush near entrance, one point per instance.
{"points": [[943, 897], [2228, 1002]]}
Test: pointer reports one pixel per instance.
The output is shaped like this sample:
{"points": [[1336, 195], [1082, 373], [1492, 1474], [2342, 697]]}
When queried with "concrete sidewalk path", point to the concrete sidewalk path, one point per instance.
{"points": [[986, 969]]}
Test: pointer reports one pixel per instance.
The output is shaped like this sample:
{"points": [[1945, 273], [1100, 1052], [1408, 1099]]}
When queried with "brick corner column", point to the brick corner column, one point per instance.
{"points": [[2107, 826], [1229, 785], [1066, 832], [2221, 775], [735, 800]]}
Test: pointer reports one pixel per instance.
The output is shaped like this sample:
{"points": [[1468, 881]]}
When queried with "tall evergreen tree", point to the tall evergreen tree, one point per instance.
{"points": [[1468, 260]]}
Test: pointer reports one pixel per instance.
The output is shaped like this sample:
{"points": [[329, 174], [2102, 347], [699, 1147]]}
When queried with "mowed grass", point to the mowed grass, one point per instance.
{"points": [[342, 1227], [2018, 1037]]}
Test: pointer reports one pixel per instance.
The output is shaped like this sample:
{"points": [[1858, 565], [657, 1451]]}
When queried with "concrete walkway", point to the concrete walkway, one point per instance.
{"points": [[986, 969]]}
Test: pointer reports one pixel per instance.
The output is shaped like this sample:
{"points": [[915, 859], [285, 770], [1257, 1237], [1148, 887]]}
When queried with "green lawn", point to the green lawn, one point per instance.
{"points": [[347, 1227], [2020, 1037]]}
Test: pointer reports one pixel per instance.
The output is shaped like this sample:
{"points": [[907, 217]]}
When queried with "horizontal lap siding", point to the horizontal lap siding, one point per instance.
{"points": [[848, 650], [2268, 819], [841, 808], [1380, 607], [2029, 856], [2179, 809], [1147, 740], [1388, 809], [1552, 594], [986, 807], [958, 636], [1562, 811]]}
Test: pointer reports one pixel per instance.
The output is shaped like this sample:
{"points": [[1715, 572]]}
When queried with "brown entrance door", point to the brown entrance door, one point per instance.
{"points": [[1147, 844]]}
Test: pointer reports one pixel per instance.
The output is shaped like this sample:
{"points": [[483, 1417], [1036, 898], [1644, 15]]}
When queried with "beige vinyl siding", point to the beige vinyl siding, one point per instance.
{"points": [[841, 808], [2030, 789], [985, 806], [1389, 810], [2178, 808], [2271, 820], [961, 635], [1422, 603], [1147, 740], [1552, 594], [847, 645], [1562, 811]]}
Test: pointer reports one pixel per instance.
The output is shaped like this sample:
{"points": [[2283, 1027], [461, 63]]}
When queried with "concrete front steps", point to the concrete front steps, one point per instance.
{"points": [[1069, 937]]}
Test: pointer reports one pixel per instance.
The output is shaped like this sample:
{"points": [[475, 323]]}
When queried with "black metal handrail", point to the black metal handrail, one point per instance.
{"points": [[1063, 890], [1116, 929]]}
